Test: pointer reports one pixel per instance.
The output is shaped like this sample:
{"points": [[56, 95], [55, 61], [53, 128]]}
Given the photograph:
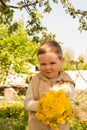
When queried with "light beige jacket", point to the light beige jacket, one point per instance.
{"points": [[39, 85]]}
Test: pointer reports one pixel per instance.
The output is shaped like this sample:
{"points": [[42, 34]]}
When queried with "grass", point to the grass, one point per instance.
{"points": [[13, 116]]}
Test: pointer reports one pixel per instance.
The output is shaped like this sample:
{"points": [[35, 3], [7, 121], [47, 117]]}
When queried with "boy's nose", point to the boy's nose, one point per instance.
{"points": [[47, 66]]}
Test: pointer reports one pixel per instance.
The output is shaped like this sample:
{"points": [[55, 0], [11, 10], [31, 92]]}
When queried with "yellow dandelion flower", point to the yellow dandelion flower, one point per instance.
{"points": [[54, 108], [60, 121]]}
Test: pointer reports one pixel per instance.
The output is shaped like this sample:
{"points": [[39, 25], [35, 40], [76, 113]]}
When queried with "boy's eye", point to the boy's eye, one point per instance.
{"points": [[53, 63], [42, 64]]}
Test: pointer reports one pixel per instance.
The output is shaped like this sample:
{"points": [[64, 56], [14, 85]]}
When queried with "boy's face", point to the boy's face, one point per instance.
{"points": [[50, 64]]}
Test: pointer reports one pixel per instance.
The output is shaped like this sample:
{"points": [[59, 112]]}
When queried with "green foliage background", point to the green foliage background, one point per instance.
{"points": [[16, 50]]}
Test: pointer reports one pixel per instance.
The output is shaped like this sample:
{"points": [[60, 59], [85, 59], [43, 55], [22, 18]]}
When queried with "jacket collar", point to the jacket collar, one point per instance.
{"points": [[63, 77]]}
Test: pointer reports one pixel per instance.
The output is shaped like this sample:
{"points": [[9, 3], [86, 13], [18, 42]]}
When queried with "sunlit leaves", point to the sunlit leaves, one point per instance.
{"points": [[16, 49], [80, 14], [36, 9]]}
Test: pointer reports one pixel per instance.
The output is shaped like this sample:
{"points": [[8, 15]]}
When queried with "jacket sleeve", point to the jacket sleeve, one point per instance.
{"points": [[30, 103]]}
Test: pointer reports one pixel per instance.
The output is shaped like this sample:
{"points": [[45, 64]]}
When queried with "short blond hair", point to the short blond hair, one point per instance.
{"points": [[50, 46]]}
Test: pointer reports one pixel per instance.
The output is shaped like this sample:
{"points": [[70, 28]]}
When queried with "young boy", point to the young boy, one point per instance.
{"points": [[49, 78]]}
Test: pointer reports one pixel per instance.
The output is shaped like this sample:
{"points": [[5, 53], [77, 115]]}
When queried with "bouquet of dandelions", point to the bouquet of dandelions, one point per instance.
{"points": [[54, 108]]}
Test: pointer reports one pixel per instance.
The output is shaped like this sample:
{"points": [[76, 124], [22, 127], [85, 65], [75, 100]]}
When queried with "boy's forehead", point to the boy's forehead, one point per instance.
{"points": [[48, 56]]}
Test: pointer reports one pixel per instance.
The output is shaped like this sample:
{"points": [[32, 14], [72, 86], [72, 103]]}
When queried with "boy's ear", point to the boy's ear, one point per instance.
{"points": [[62, 61]]}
